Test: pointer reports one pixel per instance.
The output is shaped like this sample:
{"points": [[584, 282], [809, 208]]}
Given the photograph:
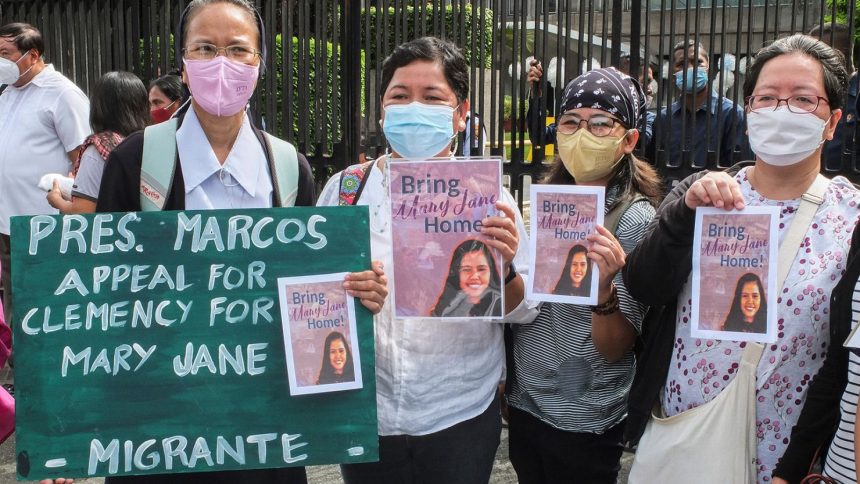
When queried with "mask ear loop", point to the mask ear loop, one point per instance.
{"points": [[456, 138]]}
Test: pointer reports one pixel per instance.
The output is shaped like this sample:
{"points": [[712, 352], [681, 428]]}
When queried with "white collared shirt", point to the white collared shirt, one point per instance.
{"points": [[430, 375], [40, 123], [243, 180]]}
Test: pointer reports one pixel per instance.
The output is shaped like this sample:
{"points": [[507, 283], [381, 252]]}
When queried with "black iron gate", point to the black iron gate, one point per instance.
{"points": [[320, 90]]}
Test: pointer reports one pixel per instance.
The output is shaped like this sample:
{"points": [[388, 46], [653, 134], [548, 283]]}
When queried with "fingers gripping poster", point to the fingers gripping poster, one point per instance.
{"points": [[563, 216], [734, 274], [443, 267]]}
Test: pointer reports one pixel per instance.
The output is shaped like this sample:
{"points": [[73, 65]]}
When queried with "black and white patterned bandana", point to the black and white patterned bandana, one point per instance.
{"points": [[609, 90]]}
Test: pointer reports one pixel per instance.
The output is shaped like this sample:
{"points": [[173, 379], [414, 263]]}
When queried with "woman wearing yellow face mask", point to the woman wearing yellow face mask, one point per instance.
{"points": [[573, 364]]}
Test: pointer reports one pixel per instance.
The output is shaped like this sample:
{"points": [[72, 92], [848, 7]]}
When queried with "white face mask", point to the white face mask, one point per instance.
{"points": [[783, 138], [9, 73]]}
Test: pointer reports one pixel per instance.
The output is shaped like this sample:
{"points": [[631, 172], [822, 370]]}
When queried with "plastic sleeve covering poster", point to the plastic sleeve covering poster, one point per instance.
{"points": [[319, 334], [735, 256], [153, 342], [562, 216], [442, 267]]}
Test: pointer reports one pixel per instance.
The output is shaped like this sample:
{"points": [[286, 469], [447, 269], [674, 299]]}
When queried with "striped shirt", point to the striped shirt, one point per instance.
{"points": [[561, 378], [840, 457]]}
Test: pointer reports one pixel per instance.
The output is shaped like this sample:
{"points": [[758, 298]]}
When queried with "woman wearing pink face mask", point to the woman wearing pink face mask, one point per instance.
{"points": [[223, 161]]}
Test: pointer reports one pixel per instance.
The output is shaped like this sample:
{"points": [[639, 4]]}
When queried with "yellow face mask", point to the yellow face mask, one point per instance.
{"points": [[588, 157]]}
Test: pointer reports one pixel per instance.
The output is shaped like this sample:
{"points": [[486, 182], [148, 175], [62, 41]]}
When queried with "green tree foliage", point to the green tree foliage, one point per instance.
{"points": [[386, 27]]}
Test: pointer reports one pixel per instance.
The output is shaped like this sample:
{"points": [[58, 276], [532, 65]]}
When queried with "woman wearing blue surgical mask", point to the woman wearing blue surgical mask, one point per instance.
{"points": [[574, 363], [794, 92], [437, 384]]}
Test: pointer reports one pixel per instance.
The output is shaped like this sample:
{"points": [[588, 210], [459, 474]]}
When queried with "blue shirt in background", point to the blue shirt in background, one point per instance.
{"points": [[717, 123], [839, 151]]}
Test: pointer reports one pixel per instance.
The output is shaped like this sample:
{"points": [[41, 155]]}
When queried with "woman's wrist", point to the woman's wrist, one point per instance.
{"points": [[511, 274], [608, 306]]}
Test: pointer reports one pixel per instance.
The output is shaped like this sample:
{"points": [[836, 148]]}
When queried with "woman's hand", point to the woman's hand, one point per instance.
{"points": [[59, 480], [716, 189], [55, 197], [371, 287], [608, 254], [503, 231]]}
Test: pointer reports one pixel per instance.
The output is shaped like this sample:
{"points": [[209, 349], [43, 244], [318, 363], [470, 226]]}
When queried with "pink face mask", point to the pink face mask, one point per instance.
{"points": [[220, 86]]}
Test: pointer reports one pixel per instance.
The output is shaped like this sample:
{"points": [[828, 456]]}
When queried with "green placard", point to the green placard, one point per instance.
{"points": [[151, 343]]}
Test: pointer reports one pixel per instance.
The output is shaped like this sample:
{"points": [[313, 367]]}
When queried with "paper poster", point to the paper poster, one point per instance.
{"points": [[442, 267], [319, 334], [562, 216], [735, 258]]}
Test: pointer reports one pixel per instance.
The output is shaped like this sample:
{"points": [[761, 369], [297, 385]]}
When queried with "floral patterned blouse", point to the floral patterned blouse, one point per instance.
{"points": [[701, 368]]}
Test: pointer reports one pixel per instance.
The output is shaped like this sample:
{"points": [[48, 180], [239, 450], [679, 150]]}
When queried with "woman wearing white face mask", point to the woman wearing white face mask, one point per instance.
{"points": [[436, 383], [794, 91], [574, 363]]}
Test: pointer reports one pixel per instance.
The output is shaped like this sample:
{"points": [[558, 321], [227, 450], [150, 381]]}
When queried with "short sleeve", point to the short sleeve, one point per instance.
{"points": [[89, 177], [330, 193], [71, 118]]}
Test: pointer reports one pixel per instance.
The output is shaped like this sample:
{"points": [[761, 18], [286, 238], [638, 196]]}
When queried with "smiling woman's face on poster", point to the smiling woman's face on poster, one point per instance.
{"points": [[474, 275]]}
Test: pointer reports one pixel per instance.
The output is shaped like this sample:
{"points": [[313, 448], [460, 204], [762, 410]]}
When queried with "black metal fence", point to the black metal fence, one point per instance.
{"points": [[321, 86]]}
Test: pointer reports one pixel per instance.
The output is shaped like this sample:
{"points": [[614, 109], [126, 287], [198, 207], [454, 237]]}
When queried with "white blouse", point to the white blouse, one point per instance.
{"points": [[430, 375]]}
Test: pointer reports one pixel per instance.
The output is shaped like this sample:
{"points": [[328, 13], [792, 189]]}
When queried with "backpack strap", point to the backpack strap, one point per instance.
{"points": [[352, 181], [158, 165], [613, 217], [286, 164]]}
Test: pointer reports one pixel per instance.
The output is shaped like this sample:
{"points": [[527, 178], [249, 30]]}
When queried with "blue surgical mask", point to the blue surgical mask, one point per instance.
{"points": [[695, 83], [418, 130]]}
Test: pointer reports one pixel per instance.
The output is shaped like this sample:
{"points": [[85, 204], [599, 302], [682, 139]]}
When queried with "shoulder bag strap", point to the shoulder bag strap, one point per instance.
{"points": [[158, 165], [809, 203], [611, 219], [286, 163], [352, 181]]}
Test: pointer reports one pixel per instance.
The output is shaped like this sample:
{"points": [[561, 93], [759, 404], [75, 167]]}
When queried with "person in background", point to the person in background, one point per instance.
{"points": [[44, 118], [700, 128], [646, 78], [166, 95], [436, 383], [119, 107], [839, 151]]}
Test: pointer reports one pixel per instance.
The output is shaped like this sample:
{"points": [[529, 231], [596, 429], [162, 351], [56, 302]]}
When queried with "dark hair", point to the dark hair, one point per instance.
{"points": [[839, 37], [835, 75], [434, 50], [195, 5], [452, 282], [735, 320], [624, 65], [327, 374], [119, 103], [171, 85], [565, 282], [24, 36], [686, 44]]}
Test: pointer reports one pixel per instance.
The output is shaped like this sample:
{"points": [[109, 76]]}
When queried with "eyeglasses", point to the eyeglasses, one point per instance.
{"points": [[204, 51], [599, 126], [801, 104]]}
